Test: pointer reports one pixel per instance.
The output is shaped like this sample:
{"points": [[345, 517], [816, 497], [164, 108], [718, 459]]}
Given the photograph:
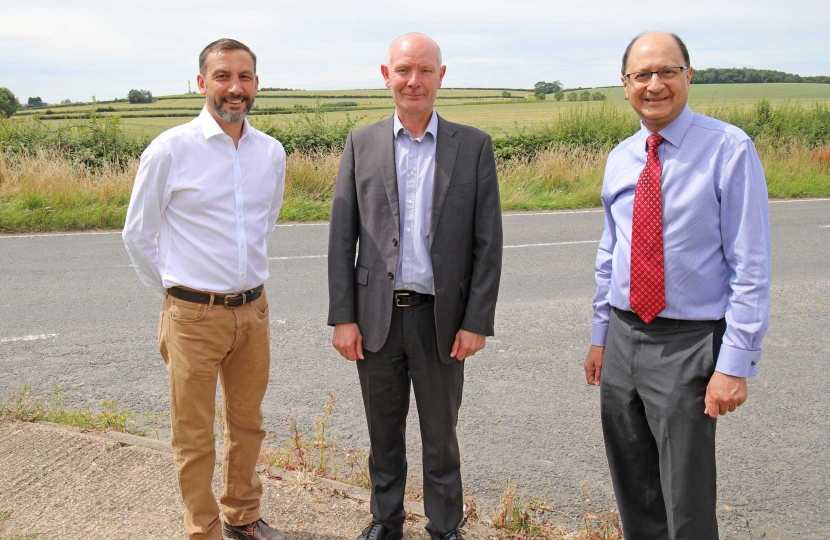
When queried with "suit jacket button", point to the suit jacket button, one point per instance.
{"points": [[394, 241], [391, 275]]}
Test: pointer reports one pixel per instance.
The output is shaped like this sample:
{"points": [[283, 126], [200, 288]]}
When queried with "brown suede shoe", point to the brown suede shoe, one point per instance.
{"points": [[258, 530]]}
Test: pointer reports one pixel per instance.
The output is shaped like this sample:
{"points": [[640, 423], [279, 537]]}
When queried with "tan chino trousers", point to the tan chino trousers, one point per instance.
{"points": [[199, 342]]}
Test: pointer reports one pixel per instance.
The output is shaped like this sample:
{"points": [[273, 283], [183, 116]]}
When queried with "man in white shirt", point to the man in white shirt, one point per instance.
{"points": [[206, 196]]}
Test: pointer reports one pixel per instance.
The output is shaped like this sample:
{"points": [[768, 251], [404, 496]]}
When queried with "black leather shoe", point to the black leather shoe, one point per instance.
{"points": [[455, 534], [258, 530], [376, 531]]}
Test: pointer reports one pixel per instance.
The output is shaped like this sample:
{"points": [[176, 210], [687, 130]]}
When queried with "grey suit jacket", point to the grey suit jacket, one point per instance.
{"points": [[465, 234]]}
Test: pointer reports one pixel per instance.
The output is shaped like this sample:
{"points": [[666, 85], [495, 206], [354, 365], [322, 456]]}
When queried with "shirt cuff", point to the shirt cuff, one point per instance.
{"points": [[599, 332], [737, 362]]}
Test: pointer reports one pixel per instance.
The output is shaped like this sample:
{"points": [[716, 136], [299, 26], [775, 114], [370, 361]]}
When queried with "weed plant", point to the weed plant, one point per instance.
{"points": [[5, 515], [320, 456], [22, 406]]}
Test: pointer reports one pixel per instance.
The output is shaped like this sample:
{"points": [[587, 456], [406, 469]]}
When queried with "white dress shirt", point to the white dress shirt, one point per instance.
{"points": [[201, 209], [415, 167]]}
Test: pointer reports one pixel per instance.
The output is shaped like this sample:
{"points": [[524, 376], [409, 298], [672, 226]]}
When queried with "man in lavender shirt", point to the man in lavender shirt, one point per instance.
{"points": [[664, 382]]}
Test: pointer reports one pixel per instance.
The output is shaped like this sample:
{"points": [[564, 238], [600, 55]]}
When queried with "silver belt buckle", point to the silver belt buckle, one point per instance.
{"points": [[398, 297]]}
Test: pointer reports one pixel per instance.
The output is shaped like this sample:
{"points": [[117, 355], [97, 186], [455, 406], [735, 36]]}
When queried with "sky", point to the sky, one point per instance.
{"points": [[75, 50]]}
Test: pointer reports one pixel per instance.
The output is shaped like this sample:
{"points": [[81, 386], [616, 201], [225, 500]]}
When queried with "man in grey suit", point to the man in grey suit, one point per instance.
{"points": [[417, 198]]}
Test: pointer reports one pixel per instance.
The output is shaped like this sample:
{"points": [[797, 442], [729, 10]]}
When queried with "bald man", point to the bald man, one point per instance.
{"points": [[682, 301], [417, 198]]}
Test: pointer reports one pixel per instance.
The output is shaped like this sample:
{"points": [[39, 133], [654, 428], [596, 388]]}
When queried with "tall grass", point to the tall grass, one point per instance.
{"points": [[779, 125]]}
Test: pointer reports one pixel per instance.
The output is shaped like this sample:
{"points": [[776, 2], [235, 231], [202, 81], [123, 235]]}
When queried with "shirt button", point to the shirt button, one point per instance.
{"points": [[239, 216], [408, 229], [242, 274], [411, 172], [242, 245], [237, 186], [391, 275], [407, 258]]}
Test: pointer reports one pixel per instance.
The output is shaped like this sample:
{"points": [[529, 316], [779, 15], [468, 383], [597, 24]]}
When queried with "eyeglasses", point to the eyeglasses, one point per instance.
{"points": [[665, 74]]}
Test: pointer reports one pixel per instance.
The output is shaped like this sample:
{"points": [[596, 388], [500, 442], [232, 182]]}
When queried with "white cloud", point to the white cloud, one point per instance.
{"points": [[73, 50]]}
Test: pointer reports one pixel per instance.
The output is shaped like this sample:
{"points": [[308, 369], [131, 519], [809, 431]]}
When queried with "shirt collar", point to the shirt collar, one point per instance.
{"points": [[432, 126], [211, 128], [676, 131]]}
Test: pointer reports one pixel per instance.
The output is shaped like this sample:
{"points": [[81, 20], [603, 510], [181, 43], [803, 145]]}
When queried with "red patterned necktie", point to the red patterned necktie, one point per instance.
{"points": [[648, 288]]}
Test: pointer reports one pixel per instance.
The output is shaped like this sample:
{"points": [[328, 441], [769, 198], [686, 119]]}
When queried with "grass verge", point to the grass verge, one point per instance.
{"points": [[42, 192], [22, 406]]}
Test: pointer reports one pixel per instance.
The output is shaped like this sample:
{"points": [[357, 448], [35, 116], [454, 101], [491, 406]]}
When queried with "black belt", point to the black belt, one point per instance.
{"points": [[411, 298], [227, 300], [632, 318]]}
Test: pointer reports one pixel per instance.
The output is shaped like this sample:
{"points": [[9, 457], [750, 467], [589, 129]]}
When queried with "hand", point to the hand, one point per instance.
{"points": [[348, 341], [466, 344], [724, 393], [593, 364]]}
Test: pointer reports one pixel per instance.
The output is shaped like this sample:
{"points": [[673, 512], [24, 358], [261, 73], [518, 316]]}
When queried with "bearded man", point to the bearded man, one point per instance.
{"points": [[206, 196]]}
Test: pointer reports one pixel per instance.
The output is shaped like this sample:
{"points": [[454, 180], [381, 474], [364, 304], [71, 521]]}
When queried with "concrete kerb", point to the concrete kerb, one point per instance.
{"points": [[347, 490]]}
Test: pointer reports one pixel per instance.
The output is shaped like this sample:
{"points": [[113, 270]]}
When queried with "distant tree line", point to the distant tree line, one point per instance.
{"points": [[749, 75]]}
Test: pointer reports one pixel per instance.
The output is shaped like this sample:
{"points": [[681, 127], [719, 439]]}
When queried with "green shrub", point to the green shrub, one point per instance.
{"points": [[93, 142], [779, 124], [591, 127], [308, 131]]}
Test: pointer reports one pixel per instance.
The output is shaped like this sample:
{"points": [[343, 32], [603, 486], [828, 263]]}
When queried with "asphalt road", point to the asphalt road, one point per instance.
{"points": [[74, 314]]}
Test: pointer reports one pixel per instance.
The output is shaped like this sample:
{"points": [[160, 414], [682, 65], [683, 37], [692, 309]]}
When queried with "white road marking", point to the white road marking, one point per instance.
{"points": [[552, 213], [825, 226], [28, 338], [797, 201], [554, 244], [297, 257], [505, 247], [312, 224]]}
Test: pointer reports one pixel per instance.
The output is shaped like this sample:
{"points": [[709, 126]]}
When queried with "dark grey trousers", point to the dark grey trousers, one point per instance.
{"points": [[410, 354], [660, 445]]}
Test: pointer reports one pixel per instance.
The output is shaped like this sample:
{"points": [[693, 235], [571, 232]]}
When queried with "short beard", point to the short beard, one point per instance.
{"points": [[231, 117]]}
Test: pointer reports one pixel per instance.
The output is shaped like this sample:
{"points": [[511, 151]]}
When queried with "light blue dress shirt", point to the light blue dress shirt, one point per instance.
{"points": [[716, 234], [415, 166]]}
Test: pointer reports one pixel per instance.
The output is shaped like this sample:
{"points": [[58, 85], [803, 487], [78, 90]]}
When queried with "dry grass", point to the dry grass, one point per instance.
{"points": [[45, 192], [560, 177]]}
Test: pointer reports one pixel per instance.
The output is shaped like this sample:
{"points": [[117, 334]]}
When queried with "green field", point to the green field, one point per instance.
{"points": [[483, 108]]}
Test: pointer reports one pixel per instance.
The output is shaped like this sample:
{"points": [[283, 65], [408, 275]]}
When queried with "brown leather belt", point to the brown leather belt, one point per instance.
{"points": [[411, 298], [227, 300]]}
